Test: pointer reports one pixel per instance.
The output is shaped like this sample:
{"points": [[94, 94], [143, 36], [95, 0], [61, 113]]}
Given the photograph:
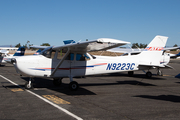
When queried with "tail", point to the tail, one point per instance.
{"points": [[178, 54], [20, 52], [157, 44], [37, 52], [69, 42], [153, 54]]}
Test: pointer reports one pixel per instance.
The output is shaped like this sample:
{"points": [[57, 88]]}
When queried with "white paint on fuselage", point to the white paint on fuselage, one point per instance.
{"points": [[41, 66]]}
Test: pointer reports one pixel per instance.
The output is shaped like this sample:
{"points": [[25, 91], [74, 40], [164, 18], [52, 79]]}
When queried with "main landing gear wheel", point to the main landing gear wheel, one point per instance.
{"points": [[148, 74], [57, 81], [73, 86], [160, 73], [131, 73], [28, 85]]}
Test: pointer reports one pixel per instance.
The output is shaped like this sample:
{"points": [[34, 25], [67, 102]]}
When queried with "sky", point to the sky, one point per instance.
{"points": [[53, 21]]}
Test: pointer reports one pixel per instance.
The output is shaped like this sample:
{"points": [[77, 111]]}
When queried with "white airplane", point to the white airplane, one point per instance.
{"points": [[6, 58], [3, 53], [72, 60], [175, 56]]}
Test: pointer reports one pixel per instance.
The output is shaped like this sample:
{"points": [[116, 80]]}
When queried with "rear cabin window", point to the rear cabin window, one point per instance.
{"points": [[70, 56], [82, 57]]}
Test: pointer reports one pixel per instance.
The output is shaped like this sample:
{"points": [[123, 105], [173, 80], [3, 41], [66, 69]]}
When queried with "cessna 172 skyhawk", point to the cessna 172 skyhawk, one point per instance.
{"points": [[72, 60]]}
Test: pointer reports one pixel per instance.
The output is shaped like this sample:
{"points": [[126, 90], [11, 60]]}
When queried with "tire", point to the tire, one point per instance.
{"points": [[73, 86], [148, 74], [130, 73], [57, 81], [28, 86], [160, 73]]}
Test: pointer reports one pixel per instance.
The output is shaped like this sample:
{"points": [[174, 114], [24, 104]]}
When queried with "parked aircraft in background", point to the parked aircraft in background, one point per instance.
{"points": [[3, 53], [135, 51], [175, 55], [6, 58], [72, 60], [8, 48]]}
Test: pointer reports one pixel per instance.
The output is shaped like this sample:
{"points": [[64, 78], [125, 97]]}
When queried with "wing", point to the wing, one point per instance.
{"points": [[39, 47], [125, 50], [171, 48], [8, 48], [4, 51], [94, 45]]}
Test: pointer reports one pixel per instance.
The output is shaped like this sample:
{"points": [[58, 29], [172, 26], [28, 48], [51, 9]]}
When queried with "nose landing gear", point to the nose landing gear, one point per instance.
{"points": [[29, 84]]}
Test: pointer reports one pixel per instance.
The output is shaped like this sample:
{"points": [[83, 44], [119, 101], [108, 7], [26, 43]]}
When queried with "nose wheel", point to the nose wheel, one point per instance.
{"points": [[29, 84]]}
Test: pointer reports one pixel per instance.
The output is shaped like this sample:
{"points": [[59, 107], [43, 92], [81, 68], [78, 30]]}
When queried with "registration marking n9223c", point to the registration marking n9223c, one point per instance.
{"points": [[120, 66]]}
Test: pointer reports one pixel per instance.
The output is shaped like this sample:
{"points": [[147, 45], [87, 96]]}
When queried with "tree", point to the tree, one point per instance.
{"points": [[45, 44], [142, 45], [175, 45], [136, 45], [18, 45]]}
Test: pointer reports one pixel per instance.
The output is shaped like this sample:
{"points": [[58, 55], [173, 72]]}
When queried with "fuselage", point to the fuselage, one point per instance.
{"points": [[41, 66], [77, 64]]}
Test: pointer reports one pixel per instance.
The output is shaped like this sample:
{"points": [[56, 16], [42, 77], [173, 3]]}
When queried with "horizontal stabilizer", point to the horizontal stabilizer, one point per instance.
{"points": [[168, 66]]}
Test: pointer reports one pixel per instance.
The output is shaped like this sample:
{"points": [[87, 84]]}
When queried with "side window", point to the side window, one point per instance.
{"points": [[79, 57], [70, 56], [82, 57]]}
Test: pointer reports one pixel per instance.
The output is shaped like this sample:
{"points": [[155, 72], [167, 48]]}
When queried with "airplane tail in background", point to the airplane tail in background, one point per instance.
{"points": [[37, 52], [178, 54], [153, 54], [69, 42], [20, 51]]}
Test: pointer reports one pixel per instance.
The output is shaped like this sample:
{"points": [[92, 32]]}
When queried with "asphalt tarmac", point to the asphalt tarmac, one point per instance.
{"points": [[100, 97]]}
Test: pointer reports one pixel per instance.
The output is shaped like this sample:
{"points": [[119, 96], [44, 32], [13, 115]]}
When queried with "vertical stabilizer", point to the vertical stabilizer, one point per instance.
{"points": [[157, 44], [20, 51], [153, 52]]}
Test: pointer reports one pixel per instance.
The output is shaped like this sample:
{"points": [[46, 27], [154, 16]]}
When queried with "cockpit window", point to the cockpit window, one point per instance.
{"points": [[47, 52], [61, 53]]}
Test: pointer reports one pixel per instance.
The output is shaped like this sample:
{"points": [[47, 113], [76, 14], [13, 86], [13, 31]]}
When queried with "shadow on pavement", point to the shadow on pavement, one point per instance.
{"points": [[171, 98]]}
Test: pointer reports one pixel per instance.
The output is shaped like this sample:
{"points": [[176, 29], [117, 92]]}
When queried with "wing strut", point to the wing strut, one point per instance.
{"points": [[60, 62]]}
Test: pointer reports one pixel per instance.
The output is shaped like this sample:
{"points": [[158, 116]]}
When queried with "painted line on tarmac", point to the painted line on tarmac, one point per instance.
{"points": [[56, 99], [16, 90], [47, 101]]}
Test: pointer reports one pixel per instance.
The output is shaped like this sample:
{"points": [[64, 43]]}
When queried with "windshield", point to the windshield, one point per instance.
{"points": [[46, 52]]}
